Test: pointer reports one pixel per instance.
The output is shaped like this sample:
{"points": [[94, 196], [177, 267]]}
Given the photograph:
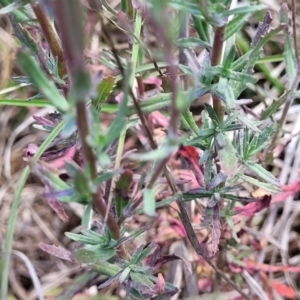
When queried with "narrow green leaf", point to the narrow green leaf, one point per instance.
{"points": [[233, 229], [266, 186], [262, 140], [192, 42], [104, 88], [229, 58], [189, 120], [244, 10], [146, 252], [250, 148], [108, 282], [103, 252], [119, 121], [81, 238], [124, 275], [106, 176], [201, 27], [249, 123], [211, 112], [13, 6], [157, 154], [288, 54], [263, 173], [149, 202], [87, 216], [97, 237], [197, 194], [236, 24], [25, 102], [141, 280], [136, 255], [25, 38], [271, 109], [95, 263], [42, 83], [126, 239]]}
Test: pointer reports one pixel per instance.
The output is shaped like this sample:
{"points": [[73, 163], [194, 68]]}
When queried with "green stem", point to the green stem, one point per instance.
{"points": [[135, 46], [216, 59], [134, 61], [14, 209]]}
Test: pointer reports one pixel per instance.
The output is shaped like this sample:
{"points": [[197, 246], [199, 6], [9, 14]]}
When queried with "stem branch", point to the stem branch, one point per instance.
{"points": [[52, 38]]}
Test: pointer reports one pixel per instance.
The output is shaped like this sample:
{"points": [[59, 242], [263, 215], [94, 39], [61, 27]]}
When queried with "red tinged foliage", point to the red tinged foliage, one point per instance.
{"points": [[56, 251], [58, 208], [252, 208], [160, 284], [191, 155], [284, 290], [251, 265], [287, 190]]}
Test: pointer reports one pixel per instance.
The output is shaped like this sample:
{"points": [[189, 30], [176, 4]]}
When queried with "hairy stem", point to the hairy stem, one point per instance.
{"points": [[98, 201], [69, 19]]}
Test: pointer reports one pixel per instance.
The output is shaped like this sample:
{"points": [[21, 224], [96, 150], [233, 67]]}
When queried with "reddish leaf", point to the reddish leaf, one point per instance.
{"points": [[250, 265], [153, 80], [177, 226], [56, 158], [251, 208], [284, 290], [191, 155], [56, 251], [160, 284], [43, 121], [57, 207], [159, 119], [288, 190]]}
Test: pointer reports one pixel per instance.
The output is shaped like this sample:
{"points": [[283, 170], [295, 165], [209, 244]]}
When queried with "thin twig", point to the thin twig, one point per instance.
{"points": [[216, 58], [52, 39]]}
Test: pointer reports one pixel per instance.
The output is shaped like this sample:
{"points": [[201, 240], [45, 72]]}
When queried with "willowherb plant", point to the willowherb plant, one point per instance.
{"points": [[228, 138]]}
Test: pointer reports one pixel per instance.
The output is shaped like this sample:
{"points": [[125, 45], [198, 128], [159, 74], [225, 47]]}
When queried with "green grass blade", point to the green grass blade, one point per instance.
{"points": [[25, 102]]}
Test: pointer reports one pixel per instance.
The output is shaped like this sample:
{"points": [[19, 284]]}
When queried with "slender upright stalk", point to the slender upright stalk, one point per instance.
{"points": [[52, 38], [134, 60], [69, 19], [216, 59]]}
